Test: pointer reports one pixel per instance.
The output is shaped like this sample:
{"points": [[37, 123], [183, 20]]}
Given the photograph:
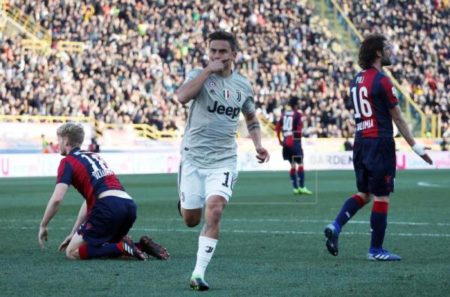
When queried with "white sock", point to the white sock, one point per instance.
{"points": [[206, 248]]}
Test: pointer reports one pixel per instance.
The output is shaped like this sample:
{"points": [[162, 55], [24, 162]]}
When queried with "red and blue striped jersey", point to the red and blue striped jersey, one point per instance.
{"points": [[88, 173], [373, 95], [290, 126]]}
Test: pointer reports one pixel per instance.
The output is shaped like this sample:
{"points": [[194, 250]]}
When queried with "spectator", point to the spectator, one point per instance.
{"points": [[94, 146], [420, 31], [137, 53]]}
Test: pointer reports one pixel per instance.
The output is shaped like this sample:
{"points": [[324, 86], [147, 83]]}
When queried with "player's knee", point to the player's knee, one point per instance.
{"points": [[191, 221], [214, 213], [72, 254], [366, 197]]}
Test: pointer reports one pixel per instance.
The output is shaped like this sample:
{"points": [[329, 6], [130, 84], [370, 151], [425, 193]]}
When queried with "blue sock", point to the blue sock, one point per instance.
{"points": [[294, 178], [348, 210], [378, 224], [301, 176], [108, 250]]}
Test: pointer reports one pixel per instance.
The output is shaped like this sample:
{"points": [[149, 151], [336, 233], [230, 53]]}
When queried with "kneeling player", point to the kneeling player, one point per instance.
{"points": [[106, 215]]}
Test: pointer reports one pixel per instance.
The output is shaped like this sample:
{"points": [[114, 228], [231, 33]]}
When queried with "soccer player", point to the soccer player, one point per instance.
{"points": [[290, 125], [106, 215], [216, 95], [375, 107]]}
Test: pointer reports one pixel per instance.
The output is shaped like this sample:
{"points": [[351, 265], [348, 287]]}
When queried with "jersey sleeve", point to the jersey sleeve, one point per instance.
{"points": [[249, 106], [299, 127], [65, 172], [278, 127], [192, 74], [389, 91], [249, 103]]}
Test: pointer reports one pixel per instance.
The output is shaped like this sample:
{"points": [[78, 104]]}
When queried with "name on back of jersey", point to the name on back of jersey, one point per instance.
{"points": [[367, 124]]}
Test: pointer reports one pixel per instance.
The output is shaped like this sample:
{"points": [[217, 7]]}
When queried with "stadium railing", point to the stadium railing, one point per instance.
{"points": [[429, 126], [42, 119], [70, 46], [30, 27], [14, 21], [36, 45], [143, 130]]}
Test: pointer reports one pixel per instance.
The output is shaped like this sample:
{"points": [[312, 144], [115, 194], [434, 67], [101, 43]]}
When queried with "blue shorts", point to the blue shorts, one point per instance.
{"points": [[374, 162], [109, 221], [293, 154]]}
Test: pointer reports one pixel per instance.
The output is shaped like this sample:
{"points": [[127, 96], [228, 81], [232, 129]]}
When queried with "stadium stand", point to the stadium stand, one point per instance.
{"points": [[136, 53], [421, 34]]}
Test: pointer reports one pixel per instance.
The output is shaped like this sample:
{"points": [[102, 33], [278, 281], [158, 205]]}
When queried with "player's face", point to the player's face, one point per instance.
{"points": [[221, 50], [62, 141], [388, 53]]}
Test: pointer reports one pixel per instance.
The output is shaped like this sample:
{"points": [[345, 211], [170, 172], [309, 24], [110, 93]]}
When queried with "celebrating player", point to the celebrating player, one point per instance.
{"points": [[216, 95], [106, 215], [375, 106], [290, 125]]}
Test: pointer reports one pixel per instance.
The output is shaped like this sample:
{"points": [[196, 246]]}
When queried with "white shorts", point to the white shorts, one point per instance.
{"points": [[196, 185]]}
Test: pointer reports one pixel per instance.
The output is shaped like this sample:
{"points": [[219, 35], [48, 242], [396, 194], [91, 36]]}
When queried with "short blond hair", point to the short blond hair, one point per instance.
{"points": [[74, 133]]}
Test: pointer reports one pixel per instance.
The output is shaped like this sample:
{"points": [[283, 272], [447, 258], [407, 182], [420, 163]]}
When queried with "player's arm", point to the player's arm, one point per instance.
{"points": [[50, 211], [81, 218], [254, 129], [278, 128], [402, 126], [192, 87]]}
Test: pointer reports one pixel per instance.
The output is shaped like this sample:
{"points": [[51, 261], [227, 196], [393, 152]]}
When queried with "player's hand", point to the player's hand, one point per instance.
{"points": [[420, 150], [427, 159], [65, 243], [216, 66], [42, 236], [262, 155]]}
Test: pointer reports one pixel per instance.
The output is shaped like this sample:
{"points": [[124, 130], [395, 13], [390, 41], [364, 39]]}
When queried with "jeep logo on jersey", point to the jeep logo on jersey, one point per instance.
{"points": [[232, 112]]}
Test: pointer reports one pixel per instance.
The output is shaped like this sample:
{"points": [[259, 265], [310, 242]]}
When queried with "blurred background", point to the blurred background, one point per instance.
{"points": [[114, 66]]}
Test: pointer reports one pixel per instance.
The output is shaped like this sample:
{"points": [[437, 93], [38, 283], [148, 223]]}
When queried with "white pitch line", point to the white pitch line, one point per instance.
{"points": [[273, 232], [430, 185], [255, 220]]}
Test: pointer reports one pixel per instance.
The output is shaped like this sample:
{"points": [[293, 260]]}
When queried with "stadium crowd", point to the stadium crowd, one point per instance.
{"points": [[421, 34], [137, 53]]}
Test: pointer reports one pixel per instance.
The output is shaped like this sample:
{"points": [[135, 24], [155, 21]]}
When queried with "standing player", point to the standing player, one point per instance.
{"points": [[208, 172], [106, 215], [290, 125], [375, 106]]}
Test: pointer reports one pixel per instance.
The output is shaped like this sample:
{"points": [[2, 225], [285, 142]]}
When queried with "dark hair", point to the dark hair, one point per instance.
{"points": [[293, 102], [222, 35], [369, 48]]}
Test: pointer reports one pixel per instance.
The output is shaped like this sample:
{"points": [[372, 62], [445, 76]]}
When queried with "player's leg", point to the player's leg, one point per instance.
{"points": [[348, 210], [381, 185], [287, 155], [301, 173], [352, 204], [218, 187], [207, 240], [378, 225], [294, 178], [73, 247], [191, 194], [104, 233]]}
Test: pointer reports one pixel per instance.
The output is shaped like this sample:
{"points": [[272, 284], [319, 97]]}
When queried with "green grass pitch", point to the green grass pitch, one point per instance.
{"points": [[271, 243]]}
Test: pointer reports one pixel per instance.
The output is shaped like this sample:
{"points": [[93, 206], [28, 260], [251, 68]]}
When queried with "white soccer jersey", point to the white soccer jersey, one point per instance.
{"points": [[209, 138]]}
